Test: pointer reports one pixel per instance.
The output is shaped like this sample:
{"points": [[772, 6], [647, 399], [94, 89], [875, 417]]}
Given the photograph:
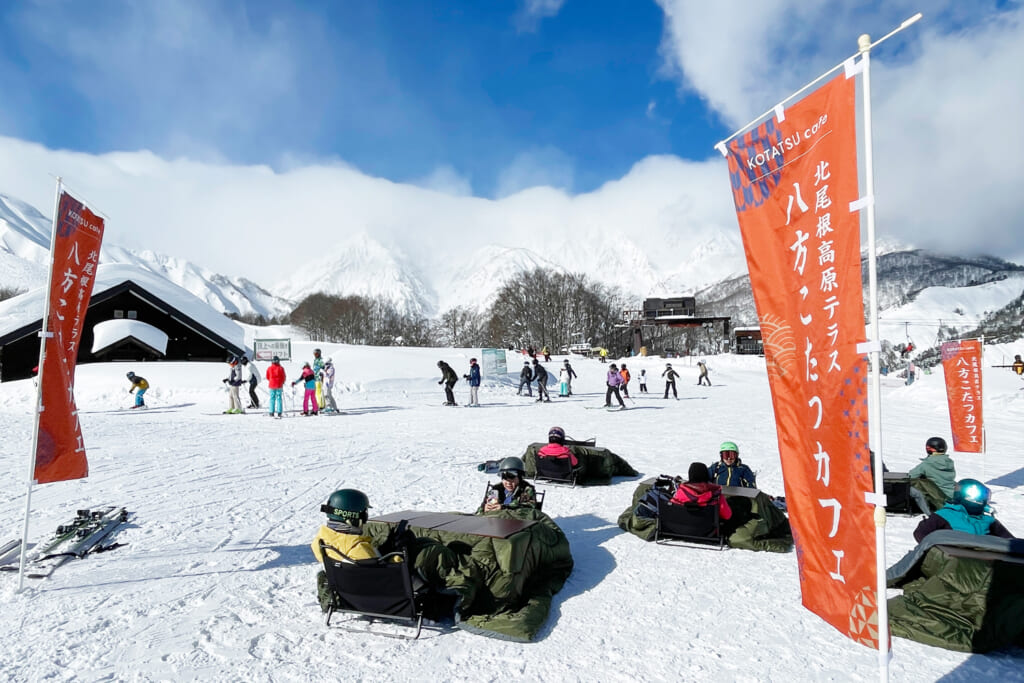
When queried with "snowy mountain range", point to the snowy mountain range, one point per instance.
{"points": [[709, 264]]}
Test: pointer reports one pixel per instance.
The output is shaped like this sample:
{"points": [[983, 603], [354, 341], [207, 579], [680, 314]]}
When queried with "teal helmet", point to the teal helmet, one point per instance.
{"points": [[729, 446], [973, 495], [347, 505]]}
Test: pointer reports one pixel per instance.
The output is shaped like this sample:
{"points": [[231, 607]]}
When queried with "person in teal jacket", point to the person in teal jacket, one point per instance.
{"points": [[938, 468], [969, 512]]}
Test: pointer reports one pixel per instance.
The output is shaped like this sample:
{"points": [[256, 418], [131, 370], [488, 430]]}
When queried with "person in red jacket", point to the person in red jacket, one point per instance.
{"points": [[275, 382], [556, 447], [699, 489]]}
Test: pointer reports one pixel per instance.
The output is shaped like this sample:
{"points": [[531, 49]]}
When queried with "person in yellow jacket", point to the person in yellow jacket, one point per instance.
{"points": [[346, 511], [139, 386]]}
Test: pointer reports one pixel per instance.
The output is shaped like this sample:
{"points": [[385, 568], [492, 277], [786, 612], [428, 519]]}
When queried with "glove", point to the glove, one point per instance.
{"points": [[441, 382], [465, 377], [224, 381]]}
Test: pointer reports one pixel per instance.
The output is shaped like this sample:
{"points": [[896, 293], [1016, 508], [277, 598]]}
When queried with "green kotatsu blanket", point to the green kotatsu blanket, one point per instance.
{"points": [[756, 524], [598, 465], [961, 592], [506, 584]]}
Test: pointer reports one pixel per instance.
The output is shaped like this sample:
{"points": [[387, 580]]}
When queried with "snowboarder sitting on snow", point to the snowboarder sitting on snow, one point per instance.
{"points": [[730, 470], [513, 492], [969, 512], [448, 379], [933, 479], [308, 379], [698, 489], [139, 386]]}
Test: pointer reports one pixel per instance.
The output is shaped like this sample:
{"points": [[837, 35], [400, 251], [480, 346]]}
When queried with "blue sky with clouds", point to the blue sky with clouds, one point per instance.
{"points": [[501, 94], [471, 122]]}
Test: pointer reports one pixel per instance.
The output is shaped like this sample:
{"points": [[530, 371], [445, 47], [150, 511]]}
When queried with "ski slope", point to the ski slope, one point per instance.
{"points": [[216, 582]]}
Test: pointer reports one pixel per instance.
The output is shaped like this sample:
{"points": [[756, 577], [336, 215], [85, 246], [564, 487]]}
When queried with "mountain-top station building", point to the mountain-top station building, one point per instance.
{"points": [[671, 326], [133, 315]]}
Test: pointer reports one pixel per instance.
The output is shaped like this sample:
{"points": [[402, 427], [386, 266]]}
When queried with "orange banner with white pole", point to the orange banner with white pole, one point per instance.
{"points": [[78, 233], [961, 364], [794, 183]]}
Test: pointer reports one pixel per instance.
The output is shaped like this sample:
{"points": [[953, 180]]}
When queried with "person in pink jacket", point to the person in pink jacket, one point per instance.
{"points": [[308, 379], [614, 381], [699, 489]]}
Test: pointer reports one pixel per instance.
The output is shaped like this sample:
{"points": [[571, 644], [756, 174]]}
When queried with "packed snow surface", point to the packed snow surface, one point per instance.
{"points": [[216, 582]]}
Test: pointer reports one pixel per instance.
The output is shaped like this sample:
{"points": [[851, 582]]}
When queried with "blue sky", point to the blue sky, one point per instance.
{"points": [[505, 122], [396, 89]]}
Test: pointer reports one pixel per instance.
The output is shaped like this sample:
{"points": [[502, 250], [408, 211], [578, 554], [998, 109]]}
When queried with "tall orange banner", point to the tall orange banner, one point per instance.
{"points": [[961, 364], [794, 179], [60, 454]]}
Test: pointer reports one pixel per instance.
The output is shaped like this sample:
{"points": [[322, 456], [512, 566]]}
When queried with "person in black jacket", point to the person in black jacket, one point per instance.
{"points": [[541, 376], [525, 380], [448, 379], [572, 374]]}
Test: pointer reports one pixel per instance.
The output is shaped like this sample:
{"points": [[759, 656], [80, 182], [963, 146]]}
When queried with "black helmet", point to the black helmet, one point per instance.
{"points": [[440, 363], [275, 359], [513, 464], [245, 360], [316, 352], [131, 375], [936, 444], [556, 435], [347, 505], [973, 495]]}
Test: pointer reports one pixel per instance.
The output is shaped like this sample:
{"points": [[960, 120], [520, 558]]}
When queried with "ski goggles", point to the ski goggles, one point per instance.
{"points": [[509, 475]]}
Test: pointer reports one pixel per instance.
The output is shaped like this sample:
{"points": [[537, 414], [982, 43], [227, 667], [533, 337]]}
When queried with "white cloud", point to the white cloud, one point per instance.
{"points": [[447, 180], [946, 95], [543, 166], [533, 12]]}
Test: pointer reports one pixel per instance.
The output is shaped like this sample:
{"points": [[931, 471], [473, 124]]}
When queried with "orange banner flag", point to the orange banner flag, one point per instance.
{"points": [[793, 179], [961, 364], [60, 453]]}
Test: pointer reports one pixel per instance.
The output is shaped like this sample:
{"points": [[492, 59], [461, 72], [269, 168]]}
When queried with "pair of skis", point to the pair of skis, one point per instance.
{"points": [[89, 532]]}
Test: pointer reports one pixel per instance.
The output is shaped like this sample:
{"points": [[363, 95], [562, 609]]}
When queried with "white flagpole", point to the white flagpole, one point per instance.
{"points": [[875, 390], [44, 333]]}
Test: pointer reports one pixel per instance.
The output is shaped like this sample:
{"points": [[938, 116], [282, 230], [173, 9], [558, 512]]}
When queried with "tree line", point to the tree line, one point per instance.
{"points": [[538, 308]]}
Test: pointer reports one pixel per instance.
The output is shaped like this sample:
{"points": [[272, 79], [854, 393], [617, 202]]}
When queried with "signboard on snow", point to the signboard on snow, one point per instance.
{"points": [[493, 362], [266, 349]]}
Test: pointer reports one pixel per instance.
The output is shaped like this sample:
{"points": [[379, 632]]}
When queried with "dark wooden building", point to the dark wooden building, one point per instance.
{"points": [[195, 331]]}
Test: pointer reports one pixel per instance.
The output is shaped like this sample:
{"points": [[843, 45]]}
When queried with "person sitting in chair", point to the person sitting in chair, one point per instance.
{"points": [[968, 512], [556, 447], [698, 489], [730, 470], [933, 479], [514, 491], [346, 515]]}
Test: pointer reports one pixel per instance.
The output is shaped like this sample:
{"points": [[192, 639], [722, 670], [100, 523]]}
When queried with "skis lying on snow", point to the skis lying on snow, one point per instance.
{"points": [[85, 534], [606, 407]]}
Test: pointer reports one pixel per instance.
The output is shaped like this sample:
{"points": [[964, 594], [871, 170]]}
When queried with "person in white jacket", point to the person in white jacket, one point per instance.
{"points": [[328, 386], [563, 382]]}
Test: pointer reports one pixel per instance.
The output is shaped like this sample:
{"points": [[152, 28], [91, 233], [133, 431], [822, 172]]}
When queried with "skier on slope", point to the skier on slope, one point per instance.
{"points": [[234, 380], [643, 380], [572, 374], [525, 380], [670, 380], [253, 379], [448, 379], [702, 366], [624, 372], [328, 387], [275, 383], [308, 379], [318, 373], [540, 374], [613, 382], [474, 382], [139, 386]]}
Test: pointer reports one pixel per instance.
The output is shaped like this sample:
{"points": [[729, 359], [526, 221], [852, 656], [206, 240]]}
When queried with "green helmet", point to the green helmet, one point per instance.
{"points": [[513, 464], [347, 505], [729, 446]]}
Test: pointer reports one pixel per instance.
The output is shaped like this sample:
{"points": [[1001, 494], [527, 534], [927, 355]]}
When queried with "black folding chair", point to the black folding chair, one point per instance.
{"points": [[689, 524], [557, 471], [897, 495], [378, 588]]}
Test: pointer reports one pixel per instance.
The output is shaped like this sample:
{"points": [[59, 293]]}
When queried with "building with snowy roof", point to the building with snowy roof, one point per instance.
{"points": [[133, 315]]}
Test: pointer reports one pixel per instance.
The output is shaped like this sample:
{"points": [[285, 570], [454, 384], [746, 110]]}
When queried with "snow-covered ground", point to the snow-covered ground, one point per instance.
{"points": [[216, 582]]}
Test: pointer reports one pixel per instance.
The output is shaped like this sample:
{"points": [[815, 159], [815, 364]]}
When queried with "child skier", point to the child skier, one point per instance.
{"points": [[308, 379]]}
